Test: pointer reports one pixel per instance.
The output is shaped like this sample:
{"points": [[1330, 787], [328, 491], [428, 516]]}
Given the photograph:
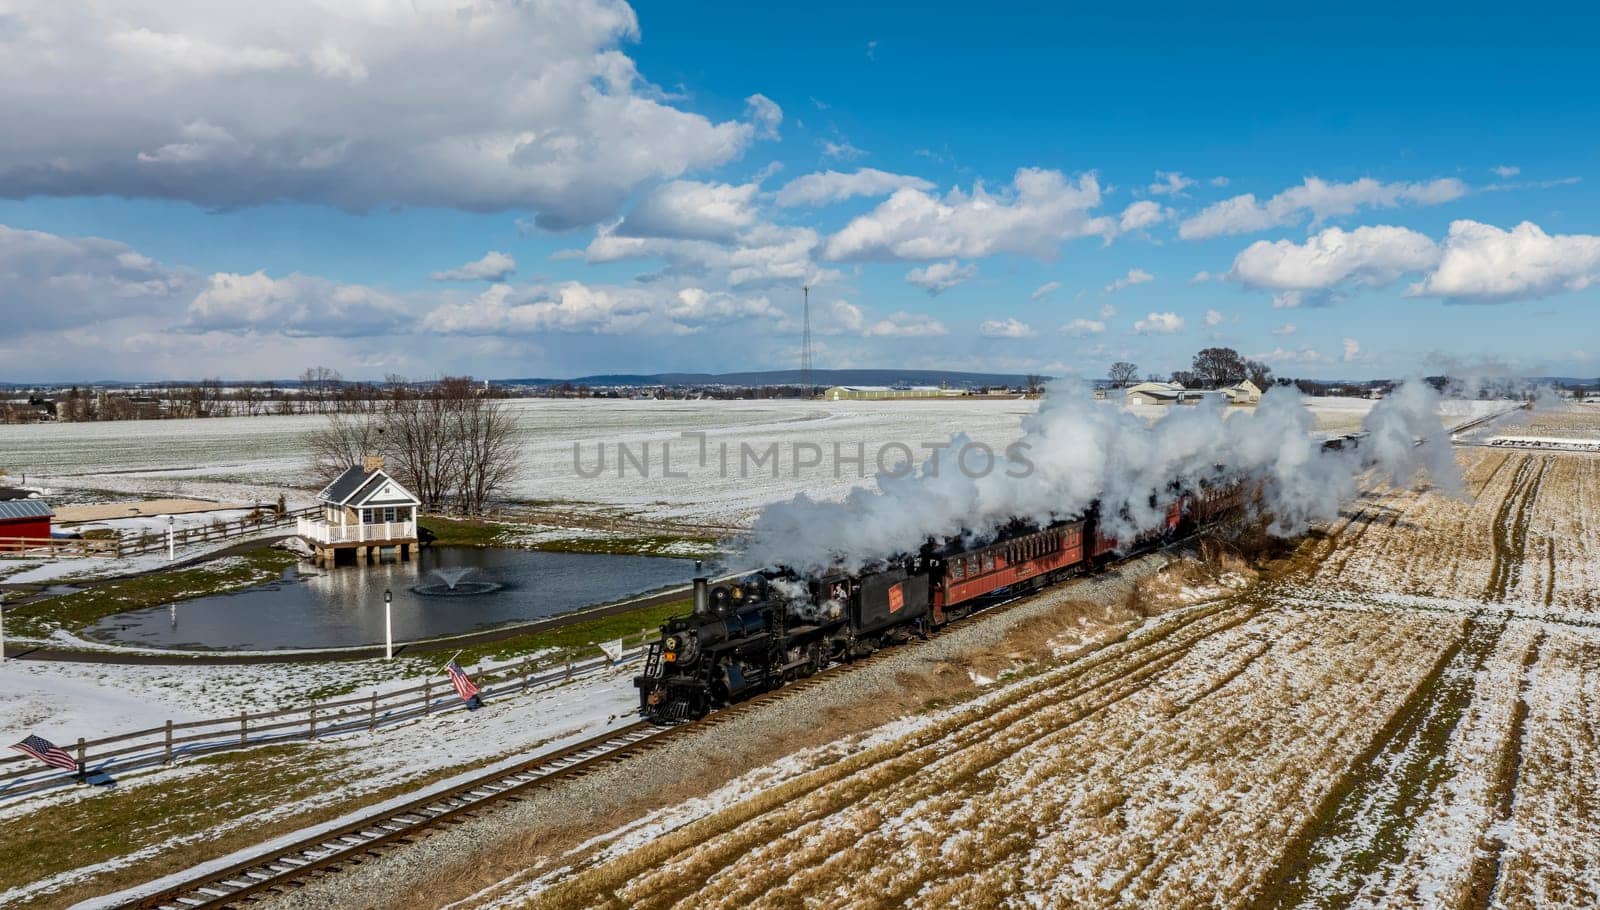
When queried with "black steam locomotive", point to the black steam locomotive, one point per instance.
{"points": [[754, 633]]}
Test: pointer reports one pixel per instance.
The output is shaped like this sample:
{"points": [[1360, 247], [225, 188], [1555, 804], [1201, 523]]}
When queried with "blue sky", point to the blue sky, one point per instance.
{"points": [[574, 186]]}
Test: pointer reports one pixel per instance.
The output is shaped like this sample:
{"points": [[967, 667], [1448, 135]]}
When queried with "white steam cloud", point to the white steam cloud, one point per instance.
{"points": [[1073, 452]]}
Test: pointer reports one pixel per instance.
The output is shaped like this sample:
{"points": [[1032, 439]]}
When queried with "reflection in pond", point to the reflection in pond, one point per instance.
{"points": [[446, 590]]}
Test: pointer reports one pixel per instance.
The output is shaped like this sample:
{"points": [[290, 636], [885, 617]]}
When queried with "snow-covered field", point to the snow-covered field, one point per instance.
{"points": [[650, 466]]}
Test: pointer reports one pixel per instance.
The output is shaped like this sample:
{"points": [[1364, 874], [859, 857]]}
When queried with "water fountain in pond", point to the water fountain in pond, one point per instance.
{"points": [[452, 583]]}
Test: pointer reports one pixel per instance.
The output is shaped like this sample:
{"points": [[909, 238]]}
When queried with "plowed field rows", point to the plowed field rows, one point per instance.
{"points": [[1407, 715]]}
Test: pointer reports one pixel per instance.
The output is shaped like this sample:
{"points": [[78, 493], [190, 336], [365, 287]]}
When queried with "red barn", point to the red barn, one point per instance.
{"points": [[28, 519]]}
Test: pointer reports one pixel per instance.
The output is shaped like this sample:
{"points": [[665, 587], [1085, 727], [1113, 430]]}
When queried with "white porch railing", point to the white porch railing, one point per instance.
{"points": [[318, 531]]}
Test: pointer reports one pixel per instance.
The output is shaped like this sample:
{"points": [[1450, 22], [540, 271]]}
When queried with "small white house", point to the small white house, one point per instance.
{"points": [[1244, 392], [363, 510]]}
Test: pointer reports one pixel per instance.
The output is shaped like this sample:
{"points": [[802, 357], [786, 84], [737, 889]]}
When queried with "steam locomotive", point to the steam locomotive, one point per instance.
{"points": [[759, 631]]}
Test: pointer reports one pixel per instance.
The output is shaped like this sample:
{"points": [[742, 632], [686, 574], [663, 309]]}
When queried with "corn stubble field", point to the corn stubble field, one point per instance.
{"points": [[1402, 713]]}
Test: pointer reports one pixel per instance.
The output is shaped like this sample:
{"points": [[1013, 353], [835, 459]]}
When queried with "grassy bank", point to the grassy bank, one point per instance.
{"points": [[179, 818], [578, 640], [460, 532], [75, 612]]}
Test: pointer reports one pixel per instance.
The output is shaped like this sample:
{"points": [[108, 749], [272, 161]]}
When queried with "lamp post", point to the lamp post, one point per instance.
{"points": [[388, 625], [2, 628], [170, 547]]}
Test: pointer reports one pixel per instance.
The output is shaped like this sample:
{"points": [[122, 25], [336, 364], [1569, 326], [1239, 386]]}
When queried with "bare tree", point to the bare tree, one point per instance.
{"points": [[1123, 373], [486, 453], [1258, 373], [417, 430], [1218, 367], [342, 443], [1035, 384]]}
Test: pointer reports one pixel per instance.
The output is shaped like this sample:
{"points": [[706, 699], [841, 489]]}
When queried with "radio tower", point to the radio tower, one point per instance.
{"points": [[805, 344]]}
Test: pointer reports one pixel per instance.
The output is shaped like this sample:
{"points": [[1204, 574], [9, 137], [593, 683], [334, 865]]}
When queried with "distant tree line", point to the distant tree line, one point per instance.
{"points": [[1212, 368], [449, 442], [318, 390]]}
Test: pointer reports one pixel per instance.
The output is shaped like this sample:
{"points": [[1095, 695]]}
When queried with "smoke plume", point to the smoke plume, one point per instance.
{"points": [[1073, 451]]}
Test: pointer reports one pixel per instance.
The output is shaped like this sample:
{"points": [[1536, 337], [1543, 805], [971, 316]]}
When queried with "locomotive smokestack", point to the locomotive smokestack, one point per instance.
{"points": [[702, 599]]}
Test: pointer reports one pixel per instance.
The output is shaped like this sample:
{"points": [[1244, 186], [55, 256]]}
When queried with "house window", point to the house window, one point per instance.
{"points": [[388, 514], [367, 517]]}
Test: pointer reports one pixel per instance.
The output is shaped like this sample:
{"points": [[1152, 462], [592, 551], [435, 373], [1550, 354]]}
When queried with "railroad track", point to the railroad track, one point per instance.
{"points": [[287, 867]]}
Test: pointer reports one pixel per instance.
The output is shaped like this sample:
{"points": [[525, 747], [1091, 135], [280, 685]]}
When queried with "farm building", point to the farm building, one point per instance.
{"points": [[1156, 393], [364, 510], [24, 520], [881, 392], [1244, 392]]}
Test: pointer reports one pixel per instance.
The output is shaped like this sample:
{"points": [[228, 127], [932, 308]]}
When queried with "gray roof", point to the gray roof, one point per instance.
{"points": [[343, 485], [355, 486], [25, 508], [364, 497]]}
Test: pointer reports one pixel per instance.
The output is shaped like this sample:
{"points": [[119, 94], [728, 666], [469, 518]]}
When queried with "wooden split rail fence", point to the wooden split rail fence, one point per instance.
{"points": [[133, 543], [163, 745]]}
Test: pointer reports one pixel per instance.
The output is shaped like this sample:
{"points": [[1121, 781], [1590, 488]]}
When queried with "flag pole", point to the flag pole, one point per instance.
{"points": [[446, 664]]}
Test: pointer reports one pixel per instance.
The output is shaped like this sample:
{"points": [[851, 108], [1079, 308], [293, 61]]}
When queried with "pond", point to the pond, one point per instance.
{"points": [[444, 591]]}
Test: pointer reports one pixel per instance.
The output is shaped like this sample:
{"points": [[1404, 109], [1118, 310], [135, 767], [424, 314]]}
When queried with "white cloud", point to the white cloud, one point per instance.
{"points": [[1236, 215], [1005, 328], [494, 266], [766, 253], [834, 186], [765, 114], [1170, 183], [223, 105], [841, 150], [1308, 272], [1320, 199], [1159, 324], [1201, 277], [1214, 318], [853, 320], [1045, 290], [1219, 181], [1288, 328], [1303, 355], [1482, 263], [1107, 311], [575, 307], [691, 210], [1041, 210], [1352, 350], [296, 305], [1134, 276], [1142, 214], [941, 276], [1506, 170], [49, 281], [1081, 327]]}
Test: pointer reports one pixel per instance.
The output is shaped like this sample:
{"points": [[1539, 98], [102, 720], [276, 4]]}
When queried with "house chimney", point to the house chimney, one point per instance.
{"points": [[372, 463]]}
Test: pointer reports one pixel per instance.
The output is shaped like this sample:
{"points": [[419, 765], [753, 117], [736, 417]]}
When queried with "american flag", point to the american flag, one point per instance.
{"points": [[458, 678], [47, 752]]}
